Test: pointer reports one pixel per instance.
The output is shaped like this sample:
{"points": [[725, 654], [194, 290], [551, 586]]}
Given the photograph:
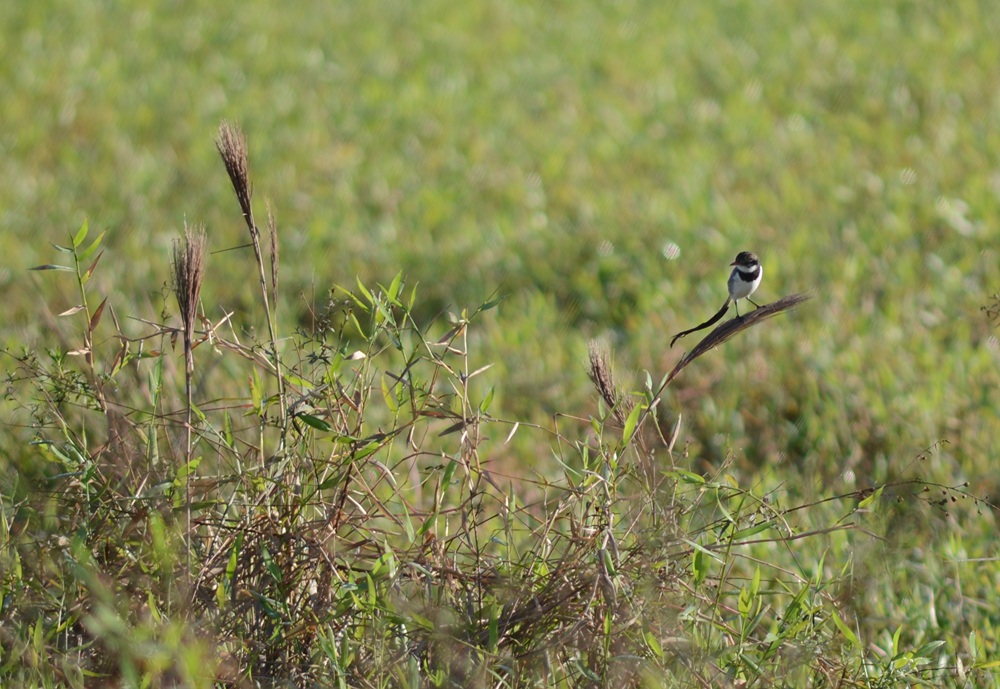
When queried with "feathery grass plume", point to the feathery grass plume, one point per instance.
{"points": [[189, 271], [604, 380], [232, 147]]}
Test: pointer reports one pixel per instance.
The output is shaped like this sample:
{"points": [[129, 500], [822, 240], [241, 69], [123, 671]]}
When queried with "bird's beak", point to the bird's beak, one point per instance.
{"points": [[733, 263]]}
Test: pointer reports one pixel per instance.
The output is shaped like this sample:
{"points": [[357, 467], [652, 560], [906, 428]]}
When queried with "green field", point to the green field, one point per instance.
{"points": [[501, 184]]}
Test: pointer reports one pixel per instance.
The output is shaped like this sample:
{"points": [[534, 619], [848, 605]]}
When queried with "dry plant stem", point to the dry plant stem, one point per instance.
{"points": [[189, 271], [232, 147]]}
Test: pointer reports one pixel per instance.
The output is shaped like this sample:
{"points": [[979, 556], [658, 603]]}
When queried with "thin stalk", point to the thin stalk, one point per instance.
{"points": [[189, 266], [232, 147]]}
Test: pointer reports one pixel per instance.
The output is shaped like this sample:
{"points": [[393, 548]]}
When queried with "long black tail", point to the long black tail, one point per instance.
{"points": [[714, 319]]}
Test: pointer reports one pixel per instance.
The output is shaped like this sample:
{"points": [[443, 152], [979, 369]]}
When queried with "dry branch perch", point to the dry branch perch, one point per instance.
{"points": [[736, 325], [720, 335]]}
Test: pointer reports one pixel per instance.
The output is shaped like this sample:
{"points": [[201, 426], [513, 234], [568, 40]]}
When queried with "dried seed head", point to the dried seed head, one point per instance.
{"points": [[604, 380], [189, 270], [232, 147]]}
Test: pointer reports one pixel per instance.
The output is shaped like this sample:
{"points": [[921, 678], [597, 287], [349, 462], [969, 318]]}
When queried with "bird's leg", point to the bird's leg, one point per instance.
{"points": [[756, 305]]}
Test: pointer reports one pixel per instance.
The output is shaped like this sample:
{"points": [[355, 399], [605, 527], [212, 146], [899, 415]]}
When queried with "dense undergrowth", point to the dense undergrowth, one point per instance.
{"points": [[192, 503]]}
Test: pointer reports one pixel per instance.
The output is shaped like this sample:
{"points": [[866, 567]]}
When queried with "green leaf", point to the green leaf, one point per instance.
{"points": [[227, 429], [449, 472], [630, 423], [871, 498], [198, 412], [492, 303], [186, 470], [389, 395], [49, 266], [300, 382], [895, 641], [654, 644], [270, 565], [699, 566], [846, 631], [485, 404], [928, 648], [394, 287], [86, 253], [364, 291], [748, 594], [81, 234], [752, 530], [310, 420], [428, 523], [256, 395], [686, 476]]}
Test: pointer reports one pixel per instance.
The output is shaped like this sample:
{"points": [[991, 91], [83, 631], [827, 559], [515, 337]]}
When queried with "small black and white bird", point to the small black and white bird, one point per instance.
{"points": [[745, 278], [743, 282]]}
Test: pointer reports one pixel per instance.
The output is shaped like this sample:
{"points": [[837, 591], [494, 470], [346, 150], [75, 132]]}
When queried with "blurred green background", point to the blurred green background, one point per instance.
{"points": [[601, 163]]}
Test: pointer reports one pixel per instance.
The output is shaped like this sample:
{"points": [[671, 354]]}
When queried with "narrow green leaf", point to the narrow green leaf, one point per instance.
{"points": [[745, 602], [871, 498], [49, 266], [485, 404], [492, 303], [408, 525], [186, 470], [449, 471], [928, 648], [309, 420], [81, 234], [86, 253], [256, 395], [428, 523], [388, 395], [394, 287], [846, 631], [654, 644], [300, 382], [630, 423], [227, 429], [699, 566], [686, 476], [752, 530], [364, 291], [198, 412]]}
